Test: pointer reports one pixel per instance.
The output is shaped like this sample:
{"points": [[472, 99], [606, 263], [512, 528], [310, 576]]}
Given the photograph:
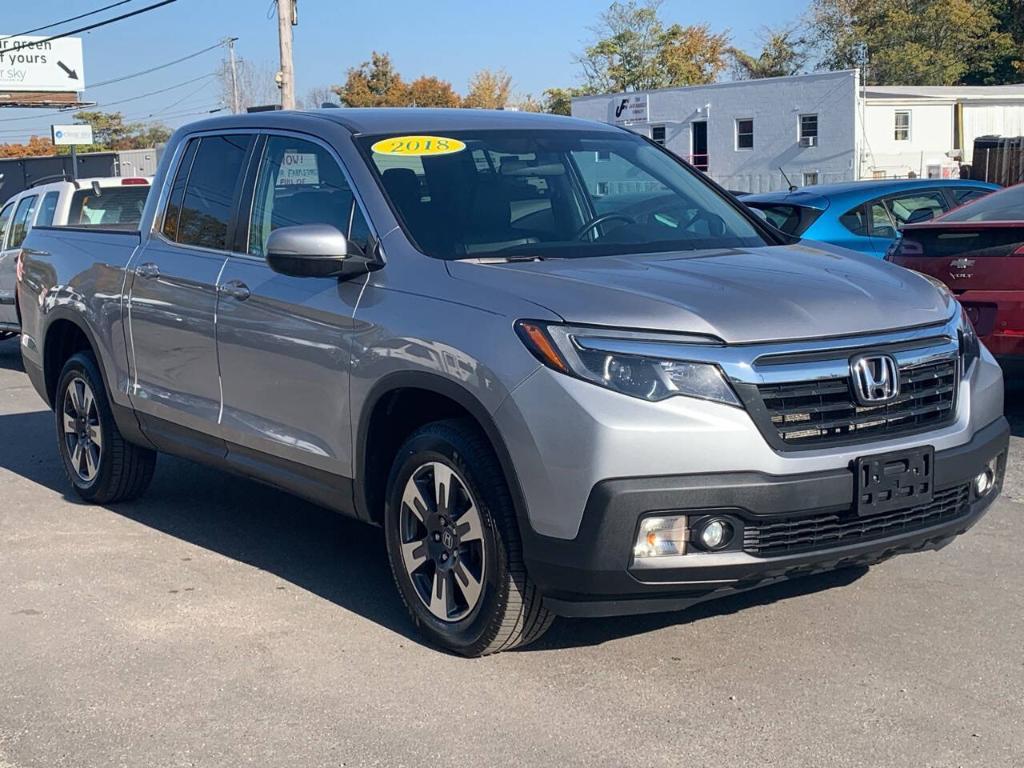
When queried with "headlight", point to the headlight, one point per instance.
{"points": [[970, 346], [618, 360]]}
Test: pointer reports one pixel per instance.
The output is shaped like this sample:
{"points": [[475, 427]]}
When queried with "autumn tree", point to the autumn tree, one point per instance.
{"points": [[692, 55], [635, 51], [36, 146], [374, 83], [912, 42], [782, 54], [488, 89], [429, 91]]}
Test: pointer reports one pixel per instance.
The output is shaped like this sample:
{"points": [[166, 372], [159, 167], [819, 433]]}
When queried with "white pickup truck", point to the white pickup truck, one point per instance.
{"points": [[106, 201]]}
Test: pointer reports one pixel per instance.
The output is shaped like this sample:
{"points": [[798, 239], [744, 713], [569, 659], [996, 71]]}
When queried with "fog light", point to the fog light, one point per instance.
{"points": [[661, 537], [715, 534], [985, 480]]}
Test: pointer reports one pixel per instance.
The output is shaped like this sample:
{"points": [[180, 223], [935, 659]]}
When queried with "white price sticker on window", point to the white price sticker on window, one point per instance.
{"points": [[298, 168]]}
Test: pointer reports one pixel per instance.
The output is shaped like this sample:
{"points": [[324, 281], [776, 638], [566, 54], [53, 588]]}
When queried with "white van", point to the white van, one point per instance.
{"points": [[111, 202]]}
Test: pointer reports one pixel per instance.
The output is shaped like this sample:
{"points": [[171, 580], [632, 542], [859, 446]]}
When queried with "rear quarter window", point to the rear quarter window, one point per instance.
{"points": [[791, 219]]}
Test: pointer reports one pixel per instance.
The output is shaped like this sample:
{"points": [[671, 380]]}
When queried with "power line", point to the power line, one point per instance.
{"points": [[97, 25], [65, 21], [161, 66], [109, 103]]}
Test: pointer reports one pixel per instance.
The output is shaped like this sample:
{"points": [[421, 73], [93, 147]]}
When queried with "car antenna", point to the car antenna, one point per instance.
{"points": [[790, 184]]}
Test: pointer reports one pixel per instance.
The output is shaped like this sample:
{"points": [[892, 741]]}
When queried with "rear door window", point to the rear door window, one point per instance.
{"points": [[902, 207], [300, 182], [208, 192], [5, 222], [48, 209], [20, 225], [964, 196]]}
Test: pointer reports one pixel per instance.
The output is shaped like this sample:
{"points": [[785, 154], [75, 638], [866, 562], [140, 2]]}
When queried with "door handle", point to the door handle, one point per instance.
{"points": [[148, 270], [236, 289]]}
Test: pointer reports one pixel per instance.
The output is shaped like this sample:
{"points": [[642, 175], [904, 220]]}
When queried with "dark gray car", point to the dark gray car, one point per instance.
{"points": [[565, 372]]}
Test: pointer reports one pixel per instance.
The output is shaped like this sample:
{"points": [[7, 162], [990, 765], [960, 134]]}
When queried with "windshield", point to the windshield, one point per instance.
{"points": [[551, 194], [1005, 205], [114, 205]]}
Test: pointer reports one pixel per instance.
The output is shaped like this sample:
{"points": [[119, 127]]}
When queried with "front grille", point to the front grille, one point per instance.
{"points": [[792, 535], [809, 413]]}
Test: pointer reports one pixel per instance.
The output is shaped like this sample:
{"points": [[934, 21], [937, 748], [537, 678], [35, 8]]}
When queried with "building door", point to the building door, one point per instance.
{"points": [[699, 144]]}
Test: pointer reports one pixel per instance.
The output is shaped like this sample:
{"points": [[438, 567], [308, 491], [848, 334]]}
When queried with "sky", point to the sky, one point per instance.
{"points": [[534, 40]]}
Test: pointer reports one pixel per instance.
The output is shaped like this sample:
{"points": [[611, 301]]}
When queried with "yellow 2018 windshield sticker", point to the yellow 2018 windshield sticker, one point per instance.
{"points": [[417, 146]]}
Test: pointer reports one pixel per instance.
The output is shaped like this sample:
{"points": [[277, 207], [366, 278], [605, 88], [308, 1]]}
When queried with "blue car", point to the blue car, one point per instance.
{"points": [[863, 215]]}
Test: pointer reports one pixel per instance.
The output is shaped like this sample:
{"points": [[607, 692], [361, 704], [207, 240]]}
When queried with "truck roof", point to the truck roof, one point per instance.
{"points": [[390, 120]]}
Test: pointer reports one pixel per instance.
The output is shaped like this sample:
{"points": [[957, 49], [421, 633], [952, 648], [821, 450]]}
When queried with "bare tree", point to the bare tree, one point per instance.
{"points": [[256, 85], [317, 97]]}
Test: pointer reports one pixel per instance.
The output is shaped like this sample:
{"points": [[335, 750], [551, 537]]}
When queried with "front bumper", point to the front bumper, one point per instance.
{"points": [[594, 574]]}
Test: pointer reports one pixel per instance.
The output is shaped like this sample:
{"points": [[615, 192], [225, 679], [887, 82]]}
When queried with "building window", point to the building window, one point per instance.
{"points": [[602, 157], [602, 188], [902, 129], [878, 174], [745, 133], [810, 179], [658, 134], [809, 130]]}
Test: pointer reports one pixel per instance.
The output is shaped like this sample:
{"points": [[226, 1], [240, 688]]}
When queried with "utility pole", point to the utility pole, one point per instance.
{"points": [[235, 106], [287, 17]]}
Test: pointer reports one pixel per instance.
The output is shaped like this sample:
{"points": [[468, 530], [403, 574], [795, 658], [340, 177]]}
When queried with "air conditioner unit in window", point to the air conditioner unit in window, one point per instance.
{"points": [[809, 141]]}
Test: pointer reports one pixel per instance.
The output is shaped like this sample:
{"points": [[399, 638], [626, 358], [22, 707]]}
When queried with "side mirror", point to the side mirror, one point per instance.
{"points": [[311, 250]]}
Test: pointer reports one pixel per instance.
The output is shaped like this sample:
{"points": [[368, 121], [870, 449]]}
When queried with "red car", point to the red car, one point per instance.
{"points": [[978, 251]]}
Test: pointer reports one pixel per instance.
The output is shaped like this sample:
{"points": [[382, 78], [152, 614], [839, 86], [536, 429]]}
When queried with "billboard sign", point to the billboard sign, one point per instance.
{"points": [[629, 108], [67, 135], [29, 63]]}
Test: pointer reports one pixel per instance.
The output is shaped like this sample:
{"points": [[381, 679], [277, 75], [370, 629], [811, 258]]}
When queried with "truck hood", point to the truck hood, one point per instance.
{"points": [[738, 295]]}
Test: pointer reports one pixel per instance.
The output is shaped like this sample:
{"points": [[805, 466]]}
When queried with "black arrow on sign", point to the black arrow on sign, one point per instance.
{"points": [[71, 73]]}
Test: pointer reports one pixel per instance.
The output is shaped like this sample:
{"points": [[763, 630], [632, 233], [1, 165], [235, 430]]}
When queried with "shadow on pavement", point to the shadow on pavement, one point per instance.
{"points": [[10, 355], [336, 558]]}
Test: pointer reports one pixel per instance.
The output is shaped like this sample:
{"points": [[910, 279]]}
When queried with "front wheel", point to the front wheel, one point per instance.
{"points": [[102, 466], [454, 545]]}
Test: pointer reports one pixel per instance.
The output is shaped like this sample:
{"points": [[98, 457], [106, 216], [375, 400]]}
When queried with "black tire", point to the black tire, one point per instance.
{"points": [[123, 470], [509, 611]]}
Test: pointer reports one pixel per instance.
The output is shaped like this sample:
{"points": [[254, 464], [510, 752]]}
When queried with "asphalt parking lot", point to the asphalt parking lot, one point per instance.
{"points": [[216, 622]]}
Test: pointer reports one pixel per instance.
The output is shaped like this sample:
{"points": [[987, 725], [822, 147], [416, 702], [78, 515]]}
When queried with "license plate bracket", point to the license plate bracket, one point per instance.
{"points": [[896, 480]]}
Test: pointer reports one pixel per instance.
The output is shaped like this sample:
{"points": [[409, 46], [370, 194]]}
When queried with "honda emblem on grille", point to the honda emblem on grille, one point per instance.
{"points": [[875, 378]]}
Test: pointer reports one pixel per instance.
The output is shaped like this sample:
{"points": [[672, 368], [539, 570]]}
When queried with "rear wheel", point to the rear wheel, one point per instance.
{"points": [[102, 466], [454, 545]]}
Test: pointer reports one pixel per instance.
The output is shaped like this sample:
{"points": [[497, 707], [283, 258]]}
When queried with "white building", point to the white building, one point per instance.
{"points": [[817, 128]]}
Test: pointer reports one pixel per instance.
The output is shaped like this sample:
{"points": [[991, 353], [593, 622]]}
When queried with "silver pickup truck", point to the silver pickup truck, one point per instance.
{"points": [[565, 372]]}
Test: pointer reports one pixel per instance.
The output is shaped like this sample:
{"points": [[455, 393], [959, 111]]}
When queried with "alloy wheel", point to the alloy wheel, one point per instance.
{"points": [[82, 435], [441, 535]]}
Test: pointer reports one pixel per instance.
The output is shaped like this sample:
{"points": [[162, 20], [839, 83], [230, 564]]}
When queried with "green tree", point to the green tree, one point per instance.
{"points": [[633, 50], [912, 42], [1007, 65], [782, 54], [558, 101], [374, 83], [110, 131]]}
